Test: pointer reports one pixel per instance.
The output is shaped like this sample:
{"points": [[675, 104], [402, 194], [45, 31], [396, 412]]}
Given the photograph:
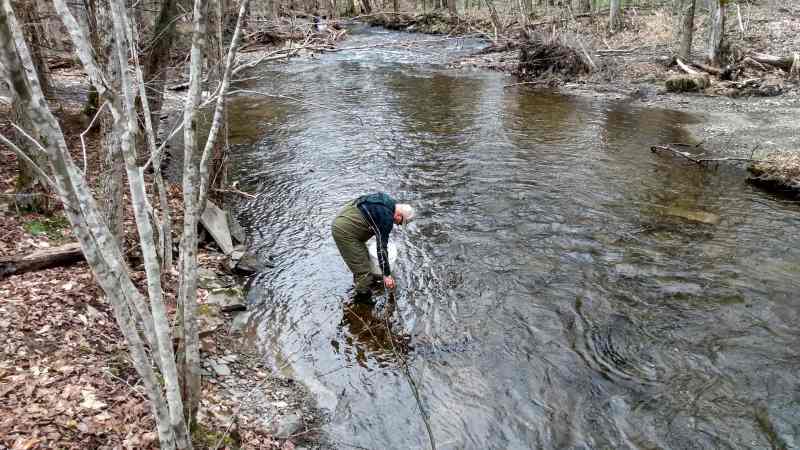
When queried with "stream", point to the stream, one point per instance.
{"points": [[562, 288]]}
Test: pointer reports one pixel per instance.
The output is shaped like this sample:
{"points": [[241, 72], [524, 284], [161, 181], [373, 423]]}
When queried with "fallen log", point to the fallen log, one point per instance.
{"points": [[685, 67], [41, 259], [782, 62]]}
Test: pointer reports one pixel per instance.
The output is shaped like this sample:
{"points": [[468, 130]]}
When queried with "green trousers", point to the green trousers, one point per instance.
{"points": [[351, 232]]}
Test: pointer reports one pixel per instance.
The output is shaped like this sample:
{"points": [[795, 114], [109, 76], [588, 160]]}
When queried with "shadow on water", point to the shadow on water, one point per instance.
{"points": [[563, 287]]}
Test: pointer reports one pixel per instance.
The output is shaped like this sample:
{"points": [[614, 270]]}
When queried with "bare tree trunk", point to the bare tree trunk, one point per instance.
{"points": [[103, 255], [187, 292], [31, 193], [157, 58], [716, 33], [166, 357], [112, 167], [584, 6], [147, 334], [687, 29], [614, 16], [452, 7], [494, 17]]}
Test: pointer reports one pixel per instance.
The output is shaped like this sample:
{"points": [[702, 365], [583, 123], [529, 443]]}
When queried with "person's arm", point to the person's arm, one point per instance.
{"points": [[383, 250]]}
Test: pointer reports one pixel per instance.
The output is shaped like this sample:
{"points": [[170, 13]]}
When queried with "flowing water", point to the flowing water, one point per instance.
{"points": [[563, 286]]}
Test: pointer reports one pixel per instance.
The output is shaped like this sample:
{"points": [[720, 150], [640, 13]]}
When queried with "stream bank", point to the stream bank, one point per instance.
{"points": [[754, 116]]}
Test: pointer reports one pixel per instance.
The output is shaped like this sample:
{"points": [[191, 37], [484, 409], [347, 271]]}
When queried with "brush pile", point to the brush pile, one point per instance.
{"points": [[311, 32], [547, 57], [429, 23], [748, 74]]}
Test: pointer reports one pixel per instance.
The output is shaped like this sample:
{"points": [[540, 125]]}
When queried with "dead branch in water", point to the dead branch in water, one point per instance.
{"points": [[695, 159], [536, 83]]}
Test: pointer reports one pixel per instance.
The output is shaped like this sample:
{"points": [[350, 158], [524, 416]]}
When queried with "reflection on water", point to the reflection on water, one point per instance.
{"points": [[563, 288]]}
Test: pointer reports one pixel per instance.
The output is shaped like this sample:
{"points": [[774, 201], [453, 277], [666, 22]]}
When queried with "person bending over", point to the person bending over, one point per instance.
{"points": [[360, 219]]}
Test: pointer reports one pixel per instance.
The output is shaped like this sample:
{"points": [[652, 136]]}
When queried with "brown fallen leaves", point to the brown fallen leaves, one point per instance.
{"points": [[65, 377]]}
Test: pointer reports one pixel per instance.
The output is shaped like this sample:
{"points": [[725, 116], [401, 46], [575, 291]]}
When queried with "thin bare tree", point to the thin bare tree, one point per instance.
{"points": [[31, 192], [686, 29], [614, 15], [716, 32], [142, 317]]}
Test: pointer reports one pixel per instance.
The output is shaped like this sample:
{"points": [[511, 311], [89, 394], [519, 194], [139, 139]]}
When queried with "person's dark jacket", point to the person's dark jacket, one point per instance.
{"points": [[378, 209]]}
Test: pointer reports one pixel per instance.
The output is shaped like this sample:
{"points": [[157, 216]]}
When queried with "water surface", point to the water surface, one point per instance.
{"points": [[563, 287]]}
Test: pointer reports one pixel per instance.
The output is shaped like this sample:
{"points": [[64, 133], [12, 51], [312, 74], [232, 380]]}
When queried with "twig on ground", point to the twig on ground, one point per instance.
{"points": [[271, 56]]}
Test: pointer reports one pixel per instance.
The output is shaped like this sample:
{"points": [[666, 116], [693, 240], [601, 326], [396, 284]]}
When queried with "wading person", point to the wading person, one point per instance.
{"points": [[360, 219]]}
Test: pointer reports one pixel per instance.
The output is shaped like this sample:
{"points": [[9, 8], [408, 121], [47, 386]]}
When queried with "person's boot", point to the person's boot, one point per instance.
{"points": [[376, 281], [363, 297]]}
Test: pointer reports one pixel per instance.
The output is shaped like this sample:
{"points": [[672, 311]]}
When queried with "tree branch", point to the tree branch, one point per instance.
{"points": [[91, 124], [20, 154]]}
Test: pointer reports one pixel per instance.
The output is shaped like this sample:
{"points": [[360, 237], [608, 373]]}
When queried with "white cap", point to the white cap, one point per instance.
{"points": [[405, 210]]}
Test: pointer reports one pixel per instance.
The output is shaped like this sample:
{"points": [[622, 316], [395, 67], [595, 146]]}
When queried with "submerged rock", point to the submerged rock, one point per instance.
{"points": [[778, 172], [693, 215], [246, 262]]}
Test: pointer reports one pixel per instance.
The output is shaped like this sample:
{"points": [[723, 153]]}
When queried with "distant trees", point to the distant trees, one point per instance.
{"points": [[686, 28], [715, 43], [716, 36], [614, 15]]}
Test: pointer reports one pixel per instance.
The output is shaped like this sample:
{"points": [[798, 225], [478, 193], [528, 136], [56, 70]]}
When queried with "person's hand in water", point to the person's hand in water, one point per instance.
{"points": [[388, 282]]}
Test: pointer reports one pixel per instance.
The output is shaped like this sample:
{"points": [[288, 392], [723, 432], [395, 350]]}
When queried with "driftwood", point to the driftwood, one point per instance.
{"points": [[782, 62], [697, 159], [685, 67], [41, 259]]}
